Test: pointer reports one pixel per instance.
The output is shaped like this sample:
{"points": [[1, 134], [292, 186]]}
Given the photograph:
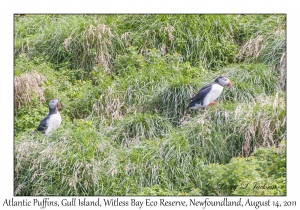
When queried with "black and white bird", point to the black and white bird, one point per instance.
{"points": [[209, 93], [53, 120]]}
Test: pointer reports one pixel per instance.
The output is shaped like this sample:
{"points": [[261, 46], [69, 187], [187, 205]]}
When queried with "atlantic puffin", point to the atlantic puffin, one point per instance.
{"points": [[209, 93], [53, 120]]}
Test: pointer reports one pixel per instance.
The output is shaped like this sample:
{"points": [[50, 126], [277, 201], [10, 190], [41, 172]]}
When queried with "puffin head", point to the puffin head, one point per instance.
{"points": [[224, 81], [53, 104]]}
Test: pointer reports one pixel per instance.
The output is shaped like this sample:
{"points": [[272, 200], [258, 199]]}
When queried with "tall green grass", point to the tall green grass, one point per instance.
{"points": [[84, 41]]}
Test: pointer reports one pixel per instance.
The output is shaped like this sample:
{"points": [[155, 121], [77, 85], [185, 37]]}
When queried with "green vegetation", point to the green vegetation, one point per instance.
{"points": [[124, 82]]}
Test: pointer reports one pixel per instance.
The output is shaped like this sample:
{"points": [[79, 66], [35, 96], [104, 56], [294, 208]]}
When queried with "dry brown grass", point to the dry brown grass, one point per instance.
{"points": [[269, 48], [26, 86], [251, 49], [264, 127], [125, 37], [67, 42], [109, 105], [168, 30], [282, 71], [99, 38]]}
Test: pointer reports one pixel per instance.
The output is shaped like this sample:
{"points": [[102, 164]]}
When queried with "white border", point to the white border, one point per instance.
{"points": [[154, 6]]}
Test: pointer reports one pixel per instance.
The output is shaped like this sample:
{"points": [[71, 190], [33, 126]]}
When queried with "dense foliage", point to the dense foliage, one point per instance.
{"points": [[124, 82]]}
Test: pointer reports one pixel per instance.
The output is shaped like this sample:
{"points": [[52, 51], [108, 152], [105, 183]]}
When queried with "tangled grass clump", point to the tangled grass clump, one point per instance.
{"points": [[27, 86]]}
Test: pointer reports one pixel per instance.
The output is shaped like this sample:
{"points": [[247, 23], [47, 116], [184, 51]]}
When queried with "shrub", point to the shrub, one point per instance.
{"points": [[248, 176]]}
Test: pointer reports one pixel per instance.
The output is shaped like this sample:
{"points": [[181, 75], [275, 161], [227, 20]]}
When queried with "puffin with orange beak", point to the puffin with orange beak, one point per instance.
{"points": [[53, 120], [209, 93]]}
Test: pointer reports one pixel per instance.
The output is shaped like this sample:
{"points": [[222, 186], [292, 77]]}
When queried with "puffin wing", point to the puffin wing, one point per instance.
{"points": [[202, 93], [43, 125]]}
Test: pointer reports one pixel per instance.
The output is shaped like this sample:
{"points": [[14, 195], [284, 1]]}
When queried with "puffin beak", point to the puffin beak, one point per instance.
{"points": [[58, 105], [230, 84]]}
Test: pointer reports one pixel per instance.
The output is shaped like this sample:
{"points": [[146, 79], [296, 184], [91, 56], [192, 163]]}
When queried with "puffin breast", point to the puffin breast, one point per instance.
{"points": [[53, 122], [215, 92]]}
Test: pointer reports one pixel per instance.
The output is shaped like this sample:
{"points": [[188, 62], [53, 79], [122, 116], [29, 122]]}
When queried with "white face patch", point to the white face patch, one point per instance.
{"points": [[53, 104], [224, 81]]}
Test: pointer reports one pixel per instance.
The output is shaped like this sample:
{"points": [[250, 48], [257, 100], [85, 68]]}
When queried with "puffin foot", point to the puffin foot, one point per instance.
{"points": [[212, 103]]}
